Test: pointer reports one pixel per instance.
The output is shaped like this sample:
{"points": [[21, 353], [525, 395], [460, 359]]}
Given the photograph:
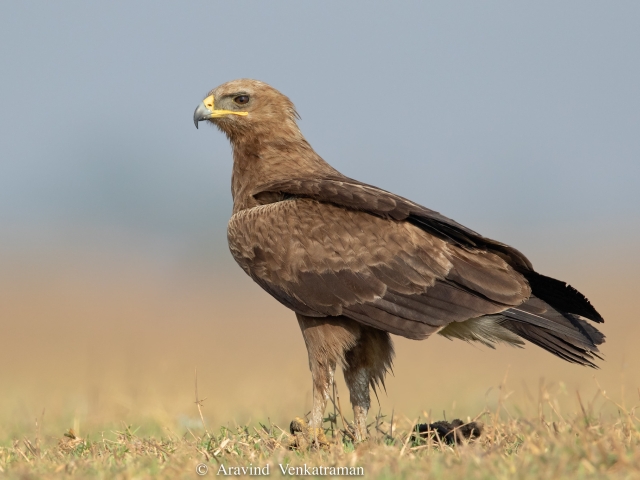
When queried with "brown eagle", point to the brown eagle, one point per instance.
{"points": [[356, 263]]}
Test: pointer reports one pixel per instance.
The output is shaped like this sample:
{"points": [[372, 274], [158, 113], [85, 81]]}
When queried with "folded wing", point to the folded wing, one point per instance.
{"points": [[322, 259], [335, 246]]}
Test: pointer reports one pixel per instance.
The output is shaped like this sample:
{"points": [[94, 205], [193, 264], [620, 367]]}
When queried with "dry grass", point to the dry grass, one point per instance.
{"points": [[550, 444]]}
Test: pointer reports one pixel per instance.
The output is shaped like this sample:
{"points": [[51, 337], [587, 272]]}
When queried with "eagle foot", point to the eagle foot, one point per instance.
{"points": [[354, 435], [451, 433], [305, 436]]}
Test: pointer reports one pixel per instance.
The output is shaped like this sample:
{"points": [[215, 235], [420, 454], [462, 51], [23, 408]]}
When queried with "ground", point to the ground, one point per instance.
{"points": [[586, 444]]}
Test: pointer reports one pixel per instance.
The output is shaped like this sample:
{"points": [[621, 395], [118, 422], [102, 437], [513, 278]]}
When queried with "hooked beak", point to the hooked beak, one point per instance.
{"points": [[207, 111], [201, 113]]}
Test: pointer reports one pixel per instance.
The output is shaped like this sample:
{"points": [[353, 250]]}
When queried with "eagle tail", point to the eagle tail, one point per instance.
{"points": [[566, 335], [561, 296]]}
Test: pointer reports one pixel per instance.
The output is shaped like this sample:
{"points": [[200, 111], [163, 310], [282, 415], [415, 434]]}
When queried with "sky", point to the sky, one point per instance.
{"points": [[510, 117]]}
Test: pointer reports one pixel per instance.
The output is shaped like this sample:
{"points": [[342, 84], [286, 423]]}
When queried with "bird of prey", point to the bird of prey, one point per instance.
{"points": [[357, 263]]}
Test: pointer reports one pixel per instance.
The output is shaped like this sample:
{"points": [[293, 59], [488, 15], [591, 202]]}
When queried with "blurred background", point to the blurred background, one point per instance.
{"points": [[518, 120]]}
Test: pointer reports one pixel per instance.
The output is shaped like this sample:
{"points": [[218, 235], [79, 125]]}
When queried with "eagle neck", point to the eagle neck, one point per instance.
{"points": [[258, 162]]}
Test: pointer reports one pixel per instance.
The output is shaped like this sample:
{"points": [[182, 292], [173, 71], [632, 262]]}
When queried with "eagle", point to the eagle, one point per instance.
{"points": [[357, 263]]}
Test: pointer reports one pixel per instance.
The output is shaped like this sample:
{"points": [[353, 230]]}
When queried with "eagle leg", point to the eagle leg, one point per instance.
{"points": [[365, 366], [358, 383], [365, 354], [327, 339], [322, 382]]}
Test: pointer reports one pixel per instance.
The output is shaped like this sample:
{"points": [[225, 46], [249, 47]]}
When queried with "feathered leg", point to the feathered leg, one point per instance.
{"points": [[365, 354], [366, 365], [327, 339], [358, 381], [322, 375]]}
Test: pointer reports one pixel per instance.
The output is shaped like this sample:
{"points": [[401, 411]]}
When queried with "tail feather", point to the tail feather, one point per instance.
{"points": [[555, 317], [596, 336], [561, 296], [566, 335]]}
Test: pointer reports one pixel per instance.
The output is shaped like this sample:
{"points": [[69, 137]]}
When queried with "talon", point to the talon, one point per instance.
{"points": [[304, 436], [298, 425], [356, 435]]}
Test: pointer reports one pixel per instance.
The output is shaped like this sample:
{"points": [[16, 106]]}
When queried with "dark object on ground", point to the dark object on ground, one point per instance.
{"points": [[451, 433]]}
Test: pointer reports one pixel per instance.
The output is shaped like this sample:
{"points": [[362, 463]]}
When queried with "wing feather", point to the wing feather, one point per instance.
{"points": [[390, 274], [329, 245]]}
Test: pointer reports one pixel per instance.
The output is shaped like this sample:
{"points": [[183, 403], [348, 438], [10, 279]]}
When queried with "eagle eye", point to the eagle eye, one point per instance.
{"points": [[241, 99]]}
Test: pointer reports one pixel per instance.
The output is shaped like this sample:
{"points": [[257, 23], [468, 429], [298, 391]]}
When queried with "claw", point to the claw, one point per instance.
{"points": [[304, 436]]}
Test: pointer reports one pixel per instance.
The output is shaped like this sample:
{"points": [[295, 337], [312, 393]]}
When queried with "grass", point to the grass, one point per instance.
{"points": [[601, 439]]}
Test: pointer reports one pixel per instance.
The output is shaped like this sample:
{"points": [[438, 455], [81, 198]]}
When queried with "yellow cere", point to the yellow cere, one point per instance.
{"points": [[209, 102]]}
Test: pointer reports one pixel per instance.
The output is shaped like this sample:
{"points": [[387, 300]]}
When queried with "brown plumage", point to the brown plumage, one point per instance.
{"points": [[356, 263]]}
